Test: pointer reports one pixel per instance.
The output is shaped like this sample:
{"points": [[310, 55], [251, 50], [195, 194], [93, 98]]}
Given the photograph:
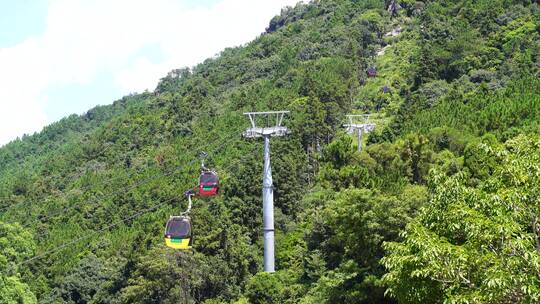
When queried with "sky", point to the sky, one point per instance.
{"points": [[59, 57]]}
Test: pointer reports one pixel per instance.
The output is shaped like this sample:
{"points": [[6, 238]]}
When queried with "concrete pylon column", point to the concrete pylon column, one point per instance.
{"points": [[268, 209]]}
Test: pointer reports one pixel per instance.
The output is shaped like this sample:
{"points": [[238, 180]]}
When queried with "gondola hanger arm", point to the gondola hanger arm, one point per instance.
{"points": [[189, 193], [203, 155]]}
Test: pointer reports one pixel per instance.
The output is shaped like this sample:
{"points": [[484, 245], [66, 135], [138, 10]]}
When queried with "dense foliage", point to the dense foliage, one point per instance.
{"points": [[475, 244], [440, 206]]}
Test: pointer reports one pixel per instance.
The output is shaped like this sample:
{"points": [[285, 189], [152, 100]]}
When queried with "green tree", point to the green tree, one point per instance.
{"points": [[161, 277], [417, 155], [16, 245], [264, 288], [475, 244], [84, 281]]}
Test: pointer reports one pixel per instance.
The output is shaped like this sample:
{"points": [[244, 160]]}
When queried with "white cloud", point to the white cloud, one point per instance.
{"points": [[22, 78], [87, 38]]}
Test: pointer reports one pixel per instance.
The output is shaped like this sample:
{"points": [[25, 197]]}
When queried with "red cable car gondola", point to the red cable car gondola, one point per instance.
{"points": [[208, 183]]}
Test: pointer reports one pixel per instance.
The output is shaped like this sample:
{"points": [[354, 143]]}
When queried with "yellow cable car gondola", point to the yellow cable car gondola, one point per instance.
{"points": [[178, 232]]}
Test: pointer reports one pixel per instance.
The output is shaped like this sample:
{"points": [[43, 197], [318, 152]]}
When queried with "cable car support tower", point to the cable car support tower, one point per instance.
{"points": [[359, 124], [271, 126]]}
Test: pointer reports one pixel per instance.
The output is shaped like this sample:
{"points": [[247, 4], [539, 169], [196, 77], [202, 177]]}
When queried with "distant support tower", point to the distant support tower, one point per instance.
{"points": [[359, 124], [266, 125]]}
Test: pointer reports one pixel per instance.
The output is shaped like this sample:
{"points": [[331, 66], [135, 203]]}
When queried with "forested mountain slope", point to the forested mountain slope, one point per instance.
{"points": [[440, 206]]}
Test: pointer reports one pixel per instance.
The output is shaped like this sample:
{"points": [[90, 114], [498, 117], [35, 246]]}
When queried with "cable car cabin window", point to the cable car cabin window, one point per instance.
{"points": [[178, 228], [209, 178]]}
